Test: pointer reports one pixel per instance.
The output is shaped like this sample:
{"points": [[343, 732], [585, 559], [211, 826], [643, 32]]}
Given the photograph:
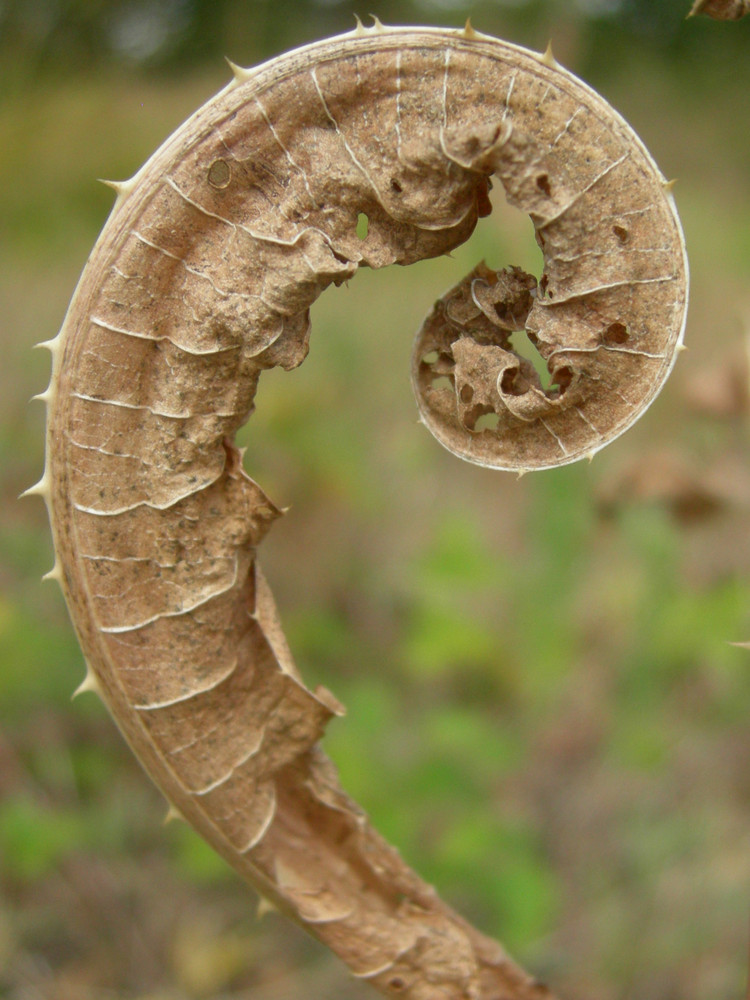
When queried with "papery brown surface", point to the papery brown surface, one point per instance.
{"points": [[201, 280]]}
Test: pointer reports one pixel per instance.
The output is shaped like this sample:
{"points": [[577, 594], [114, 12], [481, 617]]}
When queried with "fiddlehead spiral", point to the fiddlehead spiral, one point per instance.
{"points": [[201, 280]]}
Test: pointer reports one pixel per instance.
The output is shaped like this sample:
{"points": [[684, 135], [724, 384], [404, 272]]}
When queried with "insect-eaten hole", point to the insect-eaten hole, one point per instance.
{"points": [[615, 333], [430, 358], [219, 174], [480, 418], [442, 382], [621, 233], [543, 184], [522, 344], [487, 422], [363, 226], [466, 394]]}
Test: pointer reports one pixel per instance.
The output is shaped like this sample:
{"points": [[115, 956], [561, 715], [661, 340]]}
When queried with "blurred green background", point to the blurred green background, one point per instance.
{"points": [[545, 712]]}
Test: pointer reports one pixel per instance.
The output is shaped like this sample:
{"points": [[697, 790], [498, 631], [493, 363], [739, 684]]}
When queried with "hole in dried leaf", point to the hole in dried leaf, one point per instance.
{"points": [[430, 358], [616, 333], [621, 233], [542, 182], [442, 382], [479, 417], [363, 224], [487, 422], [523, 345], [467, 394], [219, 174]]}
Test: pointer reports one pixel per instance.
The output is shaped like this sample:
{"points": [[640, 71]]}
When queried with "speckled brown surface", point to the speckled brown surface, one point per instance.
{"points": [[201, 280]]}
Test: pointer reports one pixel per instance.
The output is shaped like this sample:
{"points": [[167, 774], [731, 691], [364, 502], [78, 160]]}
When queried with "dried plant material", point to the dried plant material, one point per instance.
{"points": [[606, 316], [668, 478], [721, 10], [723, 390], [369, 149]]}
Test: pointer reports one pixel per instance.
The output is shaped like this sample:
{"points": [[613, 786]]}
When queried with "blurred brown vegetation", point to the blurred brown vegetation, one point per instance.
{"points": [[545, 712]]}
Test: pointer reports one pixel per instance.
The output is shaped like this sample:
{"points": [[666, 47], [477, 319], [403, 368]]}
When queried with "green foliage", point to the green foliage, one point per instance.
{"points": [[194, 859], [171, 35], [34, 841], [40, 661]]}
